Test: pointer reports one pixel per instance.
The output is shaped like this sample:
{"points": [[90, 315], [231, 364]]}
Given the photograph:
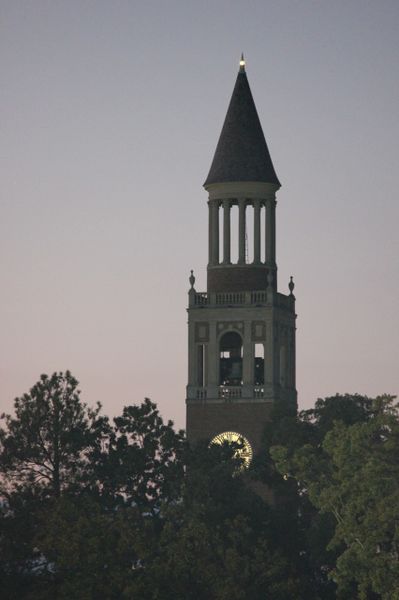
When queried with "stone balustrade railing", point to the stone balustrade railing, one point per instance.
{"points": [[225, 392], [230, 392], [258, 298]]}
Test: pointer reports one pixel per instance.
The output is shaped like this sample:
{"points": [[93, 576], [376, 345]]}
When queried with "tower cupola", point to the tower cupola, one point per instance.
{"points": [[242, 184]]}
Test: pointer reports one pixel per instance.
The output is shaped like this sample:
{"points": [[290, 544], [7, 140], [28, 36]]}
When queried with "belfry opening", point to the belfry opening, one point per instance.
{"points": [[230, 370]]}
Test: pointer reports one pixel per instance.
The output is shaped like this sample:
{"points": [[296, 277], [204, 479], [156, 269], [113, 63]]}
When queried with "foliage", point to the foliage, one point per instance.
{"points": [[89, 553], [353, 475], [47, 446], [217, 542], [303, 533], [142, 463], [126, 509]]}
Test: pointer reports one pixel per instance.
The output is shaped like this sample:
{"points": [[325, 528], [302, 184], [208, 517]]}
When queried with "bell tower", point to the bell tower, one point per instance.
{"points": [[241, 331]]}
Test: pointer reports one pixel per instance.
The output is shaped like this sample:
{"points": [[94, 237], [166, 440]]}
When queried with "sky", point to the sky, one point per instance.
{"points": [[110, 113]]}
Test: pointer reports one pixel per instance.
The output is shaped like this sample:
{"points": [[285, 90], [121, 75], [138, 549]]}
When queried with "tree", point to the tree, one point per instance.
{"points": [[142, 462], [46, 451], [217, 542], [82, 498], [302, 533], [353, 475], [86, 552], [128, 509], [348, 409], [48, 444]]}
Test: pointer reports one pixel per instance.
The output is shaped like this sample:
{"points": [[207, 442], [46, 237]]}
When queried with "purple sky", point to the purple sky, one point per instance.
{"points": [[110, 114]]}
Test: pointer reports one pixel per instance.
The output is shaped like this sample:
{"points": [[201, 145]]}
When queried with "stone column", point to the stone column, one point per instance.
{"points": [[214, 232], [270, 231], [210, 214], [241, 230], [226, 232], [257, 207]]}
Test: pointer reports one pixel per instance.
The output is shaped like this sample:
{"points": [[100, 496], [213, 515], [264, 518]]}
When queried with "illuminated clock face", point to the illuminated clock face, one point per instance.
{"points": [[244, 453]]}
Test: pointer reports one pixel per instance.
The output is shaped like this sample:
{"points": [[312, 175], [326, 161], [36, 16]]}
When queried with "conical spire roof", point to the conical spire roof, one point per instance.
{"points": [[242, 153]]}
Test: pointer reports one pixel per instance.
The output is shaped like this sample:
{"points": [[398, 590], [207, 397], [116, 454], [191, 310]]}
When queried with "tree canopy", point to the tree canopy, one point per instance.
{"points": [[350, 471], [93, 507], [48, 445]]}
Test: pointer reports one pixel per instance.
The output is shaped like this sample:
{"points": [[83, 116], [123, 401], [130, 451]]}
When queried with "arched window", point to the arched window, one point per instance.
{"points": [[230, 372]]}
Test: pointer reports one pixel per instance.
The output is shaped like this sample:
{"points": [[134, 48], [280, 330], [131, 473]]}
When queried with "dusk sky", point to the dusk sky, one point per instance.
{"points": [[110, 115]]}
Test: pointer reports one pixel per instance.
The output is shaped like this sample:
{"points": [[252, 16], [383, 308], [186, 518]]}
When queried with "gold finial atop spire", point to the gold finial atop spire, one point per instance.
{"points": [[242, 63]]}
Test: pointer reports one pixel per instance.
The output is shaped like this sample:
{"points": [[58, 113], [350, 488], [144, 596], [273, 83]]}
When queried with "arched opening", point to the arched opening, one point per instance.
{"points": [[259, 365], [230, 372]]}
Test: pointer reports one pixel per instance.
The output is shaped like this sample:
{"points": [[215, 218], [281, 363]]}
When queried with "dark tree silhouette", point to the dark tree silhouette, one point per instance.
{"points": [[47, 446]]}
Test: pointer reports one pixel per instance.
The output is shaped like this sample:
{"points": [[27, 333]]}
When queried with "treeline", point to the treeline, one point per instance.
{"points": [[93, 508]]}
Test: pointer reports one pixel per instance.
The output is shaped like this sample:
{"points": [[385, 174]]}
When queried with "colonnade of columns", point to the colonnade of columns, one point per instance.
{"points": [[243, 203]]}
